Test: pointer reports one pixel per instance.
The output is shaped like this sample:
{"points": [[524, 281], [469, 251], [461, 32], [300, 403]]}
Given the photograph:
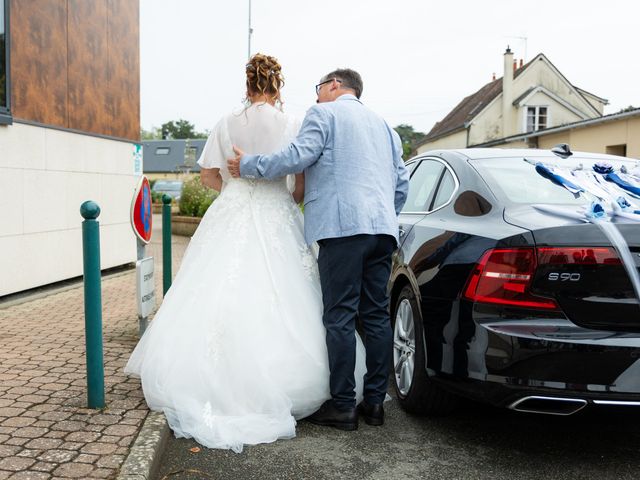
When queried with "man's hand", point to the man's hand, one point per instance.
{"points": [[233, 164]]}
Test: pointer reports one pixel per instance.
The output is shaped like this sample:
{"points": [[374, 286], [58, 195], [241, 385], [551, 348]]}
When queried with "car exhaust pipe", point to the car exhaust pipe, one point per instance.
{"points": [[548, 405]]}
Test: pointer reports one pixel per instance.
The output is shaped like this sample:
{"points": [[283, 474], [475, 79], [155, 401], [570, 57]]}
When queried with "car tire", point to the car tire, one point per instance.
{"points": [[416, 392]]}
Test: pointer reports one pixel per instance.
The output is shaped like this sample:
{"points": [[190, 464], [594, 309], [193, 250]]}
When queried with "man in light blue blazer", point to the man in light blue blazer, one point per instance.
{"points": [[355, 186]]}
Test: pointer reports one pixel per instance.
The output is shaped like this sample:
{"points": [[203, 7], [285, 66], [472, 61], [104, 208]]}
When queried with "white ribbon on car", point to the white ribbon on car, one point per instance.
{"points": [[617, 192]]}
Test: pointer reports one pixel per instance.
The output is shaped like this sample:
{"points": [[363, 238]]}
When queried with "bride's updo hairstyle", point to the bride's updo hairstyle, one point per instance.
{"points": [[264, 77]]}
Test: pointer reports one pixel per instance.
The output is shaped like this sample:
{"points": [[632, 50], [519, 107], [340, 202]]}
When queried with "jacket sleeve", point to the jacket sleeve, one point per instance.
{"points": [[298, 155], [402, 174]]}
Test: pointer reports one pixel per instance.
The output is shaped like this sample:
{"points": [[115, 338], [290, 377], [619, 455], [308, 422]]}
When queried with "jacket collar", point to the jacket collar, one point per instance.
{"points": [[347, 96]]}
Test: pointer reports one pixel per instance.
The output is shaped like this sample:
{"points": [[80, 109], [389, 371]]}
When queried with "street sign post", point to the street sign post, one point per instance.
{"points": [[142, 222]]}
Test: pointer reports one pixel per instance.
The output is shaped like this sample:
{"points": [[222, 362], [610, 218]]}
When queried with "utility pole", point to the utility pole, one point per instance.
{"points": [[250, 32]]}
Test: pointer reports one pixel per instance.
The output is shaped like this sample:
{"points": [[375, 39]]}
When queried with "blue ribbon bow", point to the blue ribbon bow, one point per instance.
{"points": [[557, 179], [595, 211], [614, 178]]}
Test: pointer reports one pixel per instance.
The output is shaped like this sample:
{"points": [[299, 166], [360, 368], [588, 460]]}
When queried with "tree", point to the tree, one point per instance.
{"points": [[409, 138], [180, 129], [153, 134]]}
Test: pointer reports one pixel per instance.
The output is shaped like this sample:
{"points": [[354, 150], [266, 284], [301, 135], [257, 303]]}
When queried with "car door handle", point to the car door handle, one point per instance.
{"points": [[401, 230]]}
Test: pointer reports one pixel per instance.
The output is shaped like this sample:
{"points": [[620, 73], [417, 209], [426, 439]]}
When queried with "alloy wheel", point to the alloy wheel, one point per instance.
{"points": [[404, 347]]}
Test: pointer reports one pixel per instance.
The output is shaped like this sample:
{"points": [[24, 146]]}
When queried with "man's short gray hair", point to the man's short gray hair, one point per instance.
{"points": [[348, 79]]}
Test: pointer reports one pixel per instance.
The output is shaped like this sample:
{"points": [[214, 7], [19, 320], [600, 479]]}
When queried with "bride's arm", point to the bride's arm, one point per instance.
{"points": [[298, 193], [211, 178]]}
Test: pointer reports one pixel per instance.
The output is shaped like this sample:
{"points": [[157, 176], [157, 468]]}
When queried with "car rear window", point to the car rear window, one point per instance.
{"points": [[516, 180]]}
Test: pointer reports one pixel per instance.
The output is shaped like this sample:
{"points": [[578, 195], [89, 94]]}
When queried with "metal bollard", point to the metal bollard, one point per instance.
{"points": [[92, 304], [166, 243]]}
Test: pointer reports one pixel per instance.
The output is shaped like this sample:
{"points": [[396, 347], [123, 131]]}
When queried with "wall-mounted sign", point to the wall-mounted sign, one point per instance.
{"points": [[141, 215], [137, 159]]}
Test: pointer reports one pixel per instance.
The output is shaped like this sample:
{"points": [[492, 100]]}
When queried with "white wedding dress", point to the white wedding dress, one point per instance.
{"points": [[236, 353]]}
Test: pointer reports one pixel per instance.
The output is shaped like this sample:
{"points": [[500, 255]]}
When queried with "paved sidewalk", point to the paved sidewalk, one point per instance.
{"points": [[46, 431]]}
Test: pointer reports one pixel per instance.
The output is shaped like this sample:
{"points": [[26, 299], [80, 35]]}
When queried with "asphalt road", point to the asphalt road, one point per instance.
{"points": [[475, 442]]}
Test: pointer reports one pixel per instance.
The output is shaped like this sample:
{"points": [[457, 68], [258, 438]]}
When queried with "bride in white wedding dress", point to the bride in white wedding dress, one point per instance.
{"points": [[237, 352]]}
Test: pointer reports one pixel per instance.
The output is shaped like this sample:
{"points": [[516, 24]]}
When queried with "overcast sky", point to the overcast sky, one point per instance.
{"points": [[418, 58]]}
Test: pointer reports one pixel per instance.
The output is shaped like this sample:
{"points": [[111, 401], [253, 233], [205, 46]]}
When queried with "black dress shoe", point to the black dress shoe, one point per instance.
{"points": [[329, 415], [373, 414]]}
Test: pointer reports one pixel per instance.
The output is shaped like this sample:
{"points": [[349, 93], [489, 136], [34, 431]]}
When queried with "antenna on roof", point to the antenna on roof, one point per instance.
{"points": [[523, 39]]}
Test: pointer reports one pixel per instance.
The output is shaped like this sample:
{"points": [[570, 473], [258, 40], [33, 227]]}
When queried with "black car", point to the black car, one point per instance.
{"points": [[499, 301]]}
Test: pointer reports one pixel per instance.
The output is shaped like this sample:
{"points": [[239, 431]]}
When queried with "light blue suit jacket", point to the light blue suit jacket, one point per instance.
{"points": [[355, 178]]}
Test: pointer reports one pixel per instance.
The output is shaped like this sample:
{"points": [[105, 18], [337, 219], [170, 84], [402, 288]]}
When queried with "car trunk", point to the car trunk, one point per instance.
{"points": [[580, 268]]}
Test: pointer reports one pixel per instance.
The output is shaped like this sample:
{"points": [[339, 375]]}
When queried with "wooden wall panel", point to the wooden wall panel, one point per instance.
{"points": [[123, 94], [39, 61], [76, 64], [88, 81]]}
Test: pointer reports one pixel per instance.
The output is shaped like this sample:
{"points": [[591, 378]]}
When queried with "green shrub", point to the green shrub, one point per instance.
{"points": [[196, 198], [156, 197]]}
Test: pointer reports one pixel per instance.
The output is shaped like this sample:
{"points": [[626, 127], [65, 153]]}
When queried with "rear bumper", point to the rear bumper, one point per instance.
{"points": [[502, 361], [535, 399]]}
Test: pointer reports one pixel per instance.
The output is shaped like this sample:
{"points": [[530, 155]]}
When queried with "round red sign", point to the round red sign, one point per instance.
{"points": [[141, 214]]}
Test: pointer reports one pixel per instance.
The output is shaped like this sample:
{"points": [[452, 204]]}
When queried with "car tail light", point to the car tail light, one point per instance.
{"points": [[503, 276]]}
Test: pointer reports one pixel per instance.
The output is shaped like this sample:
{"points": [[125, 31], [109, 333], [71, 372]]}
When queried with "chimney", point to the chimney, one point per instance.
{"points": [[521, 62], [507, 93], [493, 77]]}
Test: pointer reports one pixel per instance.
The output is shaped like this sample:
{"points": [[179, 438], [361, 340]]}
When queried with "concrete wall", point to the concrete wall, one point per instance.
{"points": [[557, 113], [595, 101], [596, 138], [45, 174], [456, 140], [517, 144], [487, 125], [543, 74]]}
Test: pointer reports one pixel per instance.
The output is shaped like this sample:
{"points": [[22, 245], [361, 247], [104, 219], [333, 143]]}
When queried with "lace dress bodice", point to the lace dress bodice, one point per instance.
{"points": [[259, 128]]}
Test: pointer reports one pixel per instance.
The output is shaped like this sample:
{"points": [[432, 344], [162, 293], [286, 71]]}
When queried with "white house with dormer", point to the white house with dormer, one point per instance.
{"points": [[528, 98]]}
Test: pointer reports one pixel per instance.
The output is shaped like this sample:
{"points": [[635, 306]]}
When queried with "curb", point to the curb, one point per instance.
{"points": [[144, 457]]}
